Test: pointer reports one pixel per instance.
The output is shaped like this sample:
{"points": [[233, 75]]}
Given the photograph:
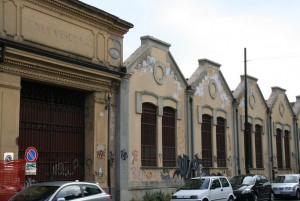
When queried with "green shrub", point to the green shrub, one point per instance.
{"points": [[157, 196]]}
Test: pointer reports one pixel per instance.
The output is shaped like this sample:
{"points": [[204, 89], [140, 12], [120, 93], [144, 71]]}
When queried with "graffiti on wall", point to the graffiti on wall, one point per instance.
{"points": [[101, 151], [165, 175], [124, 155], [112, 159], [65, 169], [134, 156], [187, 168]]}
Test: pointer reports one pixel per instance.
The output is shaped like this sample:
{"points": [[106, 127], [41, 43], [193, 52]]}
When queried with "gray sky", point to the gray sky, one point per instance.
{"points": [[219, 30]]}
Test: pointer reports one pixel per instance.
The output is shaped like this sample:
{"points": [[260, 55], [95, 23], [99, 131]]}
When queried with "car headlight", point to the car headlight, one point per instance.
{"points": [[247, 190], [194, 197], [288, 188]]}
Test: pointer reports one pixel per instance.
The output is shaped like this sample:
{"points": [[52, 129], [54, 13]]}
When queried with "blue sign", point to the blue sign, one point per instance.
{"points": [[31, 154]]}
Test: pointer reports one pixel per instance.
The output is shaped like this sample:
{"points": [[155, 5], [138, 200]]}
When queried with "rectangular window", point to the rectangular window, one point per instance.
{"points": [[258, 146], [248, 146], [148, 135], [168, 137], [221, 142], [279, 148], [206, 141], [287, 149]]}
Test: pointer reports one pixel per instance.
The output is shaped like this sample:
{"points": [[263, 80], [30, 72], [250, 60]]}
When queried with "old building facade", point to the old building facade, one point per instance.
{"points": [[60, 73], [135, 127]]}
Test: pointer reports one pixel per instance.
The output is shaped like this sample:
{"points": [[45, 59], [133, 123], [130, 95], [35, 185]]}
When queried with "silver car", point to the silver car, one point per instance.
{"points": [[63, 190], [287, 185]]}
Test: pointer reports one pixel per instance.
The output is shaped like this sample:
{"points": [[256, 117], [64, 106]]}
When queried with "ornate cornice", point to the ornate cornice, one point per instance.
{"points": [[53, 75], [104, 22]]}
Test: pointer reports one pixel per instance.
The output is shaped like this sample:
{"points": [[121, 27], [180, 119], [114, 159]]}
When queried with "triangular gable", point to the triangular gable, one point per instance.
{"points": [[274, 96], [240, 90], [142, 57], [202, 70]]}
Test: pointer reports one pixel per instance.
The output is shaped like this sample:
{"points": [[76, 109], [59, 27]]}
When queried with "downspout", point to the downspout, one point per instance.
{"points": [[192, 125], [236, 137], [296, 142], [192, 129], [271, 144]]}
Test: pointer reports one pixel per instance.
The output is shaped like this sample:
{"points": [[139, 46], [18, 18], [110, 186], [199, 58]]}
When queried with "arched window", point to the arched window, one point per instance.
{"points": [[169, 137], [258, 146], [279, 147], [148, 135], [206, 136], [221, 142], [287, 149]]}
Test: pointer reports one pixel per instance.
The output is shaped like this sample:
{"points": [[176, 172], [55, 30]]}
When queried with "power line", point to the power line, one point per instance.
{"points": [[274, 58]]}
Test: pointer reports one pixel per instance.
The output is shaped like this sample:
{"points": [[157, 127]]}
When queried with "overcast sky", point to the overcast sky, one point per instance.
{"points": [[219, 30]]}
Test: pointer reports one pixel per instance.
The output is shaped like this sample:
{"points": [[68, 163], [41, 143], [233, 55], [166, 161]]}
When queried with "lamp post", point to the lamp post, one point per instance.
{"points": [[246, 131]]}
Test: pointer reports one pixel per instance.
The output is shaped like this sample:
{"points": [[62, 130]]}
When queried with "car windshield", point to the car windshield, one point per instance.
{"points": [[242, 180], [35, 193], [285, 179], [202, 183]]}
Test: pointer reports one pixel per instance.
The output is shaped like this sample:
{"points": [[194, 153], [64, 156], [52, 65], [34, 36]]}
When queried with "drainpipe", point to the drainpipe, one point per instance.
{"points": [[235, 137], [192, 128], [296, 142], [271, 144], [108, 144]]}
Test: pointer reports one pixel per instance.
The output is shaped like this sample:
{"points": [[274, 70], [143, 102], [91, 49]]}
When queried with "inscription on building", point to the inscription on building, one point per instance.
{"points": [[48, 30]]}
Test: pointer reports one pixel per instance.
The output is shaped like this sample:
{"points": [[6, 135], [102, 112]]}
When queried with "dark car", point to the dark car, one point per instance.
{"points": [[60, 191], [252, 187]]}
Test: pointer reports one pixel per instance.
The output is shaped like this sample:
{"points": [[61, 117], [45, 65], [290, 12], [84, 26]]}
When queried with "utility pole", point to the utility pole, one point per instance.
{"points": [[246, 131]]}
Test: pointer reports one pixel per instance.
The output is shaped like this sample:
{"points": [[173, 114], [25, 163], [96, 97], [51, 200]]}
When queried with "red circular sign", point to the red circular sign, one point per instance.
{"points": [[31, 154]]}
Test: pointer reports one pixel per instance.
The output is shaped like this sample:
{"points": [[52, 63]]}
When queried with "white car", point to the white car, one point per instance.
{"points": [[205, 188], [61, 191], [287, 185]]}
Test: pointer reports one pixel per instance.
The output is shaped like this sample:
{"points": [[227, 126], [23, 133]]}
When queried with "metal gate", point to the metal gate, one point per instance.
{"points": [[52, 121]]}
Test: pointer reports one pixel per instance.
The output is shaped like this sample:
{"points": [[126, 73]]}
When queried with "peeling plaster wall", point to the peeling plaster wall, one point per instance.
{"points": [[211, 97], [156, 81], [257, 114], [282, 118]]}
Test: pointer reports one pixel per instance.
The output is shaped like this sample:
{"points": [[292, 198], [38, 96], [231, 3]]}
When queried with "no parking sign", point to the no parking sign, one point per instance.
{"points": [[31, 154]]}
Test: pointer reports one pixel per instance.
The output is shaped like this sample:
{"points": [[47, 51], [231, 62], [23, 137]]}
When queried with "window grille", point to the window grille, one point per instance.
{"points": [[169, 137], [206, 140], [248, 146], [287, 149], [221, 142], [258, 146], [148, 134], [279, 148]]}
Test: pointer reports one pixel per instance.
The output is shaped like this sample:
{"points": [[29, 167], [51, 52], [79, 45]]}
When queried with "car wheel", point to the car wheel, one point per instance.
{"points": [[255, 198], [271, 197], [297, 195], [230, 198]]}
